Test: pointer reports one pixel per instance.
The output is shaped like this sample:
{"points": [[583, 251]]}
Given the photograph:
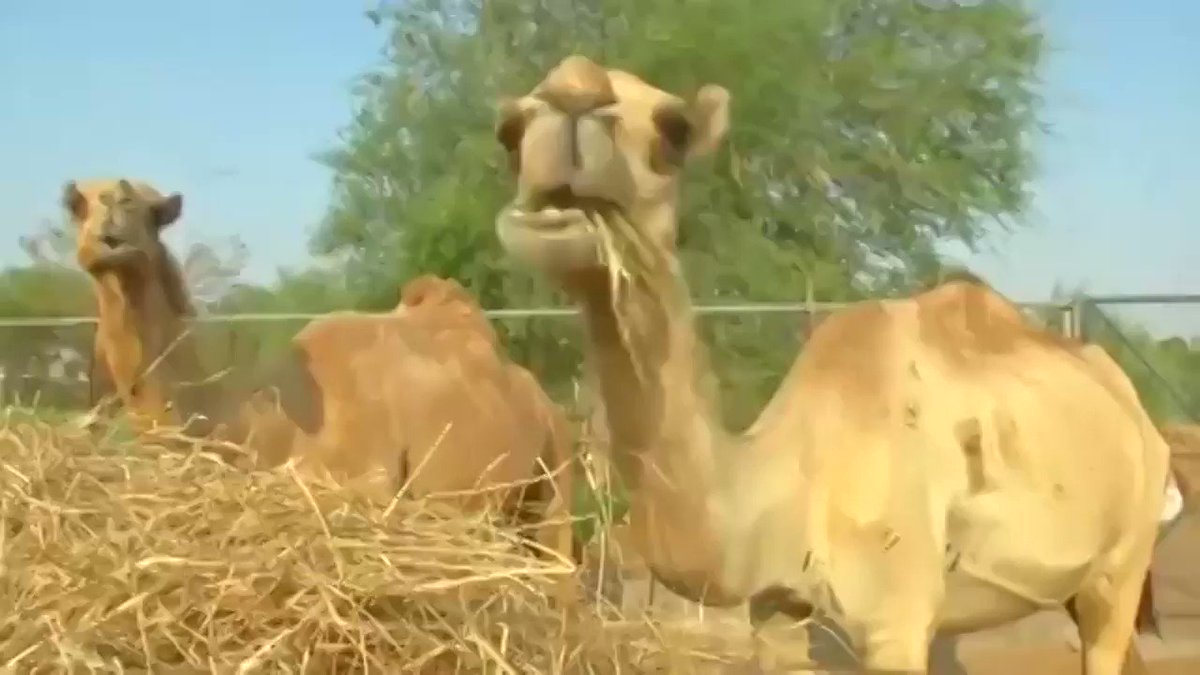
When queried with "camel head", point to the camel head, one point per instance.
{"points": [[118, 223], [597, 155]]}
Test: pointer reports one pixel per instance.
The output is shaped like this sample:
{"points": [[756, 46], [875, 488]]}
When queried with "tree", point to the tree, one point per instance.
{"points": [[865, 132]]}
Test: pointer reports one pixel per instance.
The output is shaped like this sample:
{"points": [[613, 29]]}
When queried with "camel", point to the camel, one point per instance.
{"points": [[1184, 440], [422, 393], [929, 464]]}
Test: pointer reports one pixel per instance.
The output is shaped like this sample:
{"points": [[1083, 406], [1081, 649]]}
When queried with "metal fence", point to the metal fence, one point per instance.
{"points": [[1156, 339], [48, 361]]}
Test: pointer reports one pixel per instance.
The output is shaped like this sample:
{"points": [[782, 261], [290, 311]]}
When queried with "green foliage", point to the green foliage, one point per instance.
{"points": [[28, 353], [255, 345], [864, 132]]}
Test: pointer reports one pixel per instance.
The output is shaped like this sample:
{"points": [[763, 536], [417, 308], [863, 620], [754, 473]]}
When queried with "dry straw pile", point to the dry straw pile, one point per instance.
{"points": [[119, 556]]}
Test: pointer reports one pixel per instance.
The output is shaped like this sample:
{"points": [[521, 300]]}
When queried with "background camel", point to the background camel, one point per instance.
{"points": [[1179, 510], [1184, 440], [928, 464], [422, 394]]}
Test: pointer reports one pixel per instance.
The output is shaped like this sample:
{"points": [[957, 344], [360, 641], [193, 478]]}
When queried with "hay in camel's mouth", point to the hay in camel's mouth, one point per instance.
{"points": [[552, 223], [564, 232]]}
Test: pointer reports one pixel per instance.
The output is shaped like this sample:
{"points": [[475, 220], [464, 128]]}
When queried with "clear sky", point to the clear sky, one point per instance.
{"points": [[227, 100]]}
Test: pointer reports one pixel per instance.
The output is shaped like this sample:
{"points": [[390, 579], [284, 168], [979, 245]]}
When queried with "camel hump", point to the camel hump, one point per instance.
{"points": [[967, 321], [439, 304], [432, 290]]}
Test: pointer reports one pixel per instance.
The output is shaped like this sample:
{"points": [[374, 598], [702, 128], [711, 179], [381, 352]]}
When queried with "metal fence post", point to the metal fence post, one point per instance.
{"points": [[1078, 306]]}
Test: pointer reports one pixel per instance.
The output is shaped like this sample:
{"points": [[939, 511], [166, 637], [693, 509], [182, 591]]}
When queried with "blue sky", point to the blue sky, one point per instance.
{"points": [[227, 101]]}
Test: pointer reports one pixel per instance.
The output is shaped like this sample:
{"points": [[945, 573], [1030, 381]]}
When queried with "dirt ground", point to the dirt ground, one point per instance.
{"points": [[1054, 661]]}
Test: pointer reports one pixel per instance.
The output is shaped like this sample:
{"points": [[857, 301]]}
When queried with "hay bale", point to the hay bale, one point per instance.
{"points": [[122, 555]]}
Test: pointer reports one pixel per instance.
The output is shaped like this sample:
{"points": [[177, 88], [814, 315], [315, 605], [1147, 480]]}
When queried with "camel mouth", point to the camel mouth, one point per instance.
{"points": [[558, 230]]}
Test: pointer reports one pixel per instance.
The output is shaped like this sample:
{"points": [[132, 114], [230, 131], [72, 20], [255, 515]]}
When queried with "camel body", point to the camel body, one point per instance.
{"points": [[970, 473], [929, 464], [446, 413]]}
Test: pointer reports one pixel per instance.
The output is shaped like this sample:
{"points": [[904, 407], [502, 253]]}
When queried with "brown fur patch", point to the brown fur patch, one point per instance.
{"points": [[969, 435]]}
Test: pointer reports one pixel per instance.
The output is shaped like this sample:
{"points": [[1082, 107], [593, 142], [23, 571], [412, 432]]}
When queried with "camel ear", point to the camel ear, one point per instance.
{"points": [[710, 119], [167, 210], [74, 201]]}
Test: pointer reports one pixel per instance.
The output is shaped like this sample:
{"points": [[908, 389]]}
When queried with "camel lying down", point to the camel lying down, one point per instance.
{"points": [[423, 395]]}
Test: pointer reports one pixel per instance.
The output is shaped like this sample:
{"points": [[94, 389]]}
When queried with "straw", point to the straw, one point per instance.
{"points": [[120, 555]]}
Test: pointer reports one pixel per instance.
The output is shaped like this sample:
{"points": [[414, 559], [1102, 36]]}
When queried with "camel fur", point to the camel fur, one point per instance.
{"points": [[929, 464]]}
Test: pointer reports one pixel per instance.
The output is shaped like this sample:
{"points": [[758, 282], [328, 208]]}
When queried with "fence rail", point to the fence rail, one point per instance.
{"points": [[57, 357], [50, 359], [510, 313]]}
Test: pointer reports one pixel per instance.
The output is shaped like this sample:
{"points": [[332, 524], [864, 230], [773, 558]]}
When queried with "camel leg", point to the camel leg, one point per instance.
{"points": [[890, 609], [1106, 614], [898, 646]]}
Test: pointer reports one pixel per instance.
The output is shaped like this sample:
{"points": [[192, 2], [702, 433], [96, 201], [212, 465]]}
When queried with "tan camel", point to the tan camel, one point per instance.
{"points": [[929, 464], [422, 393]]}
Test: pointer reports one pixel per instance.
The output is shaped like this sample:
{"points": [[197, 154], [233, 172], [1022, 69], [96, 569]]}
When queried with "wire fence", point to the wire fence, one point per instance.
{"points": [[49, 362], [1156, 339]]}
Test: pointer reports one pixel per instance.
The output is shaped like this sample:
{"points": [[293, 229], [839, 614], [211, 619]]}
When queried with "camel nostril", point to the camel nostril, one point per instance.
{"points": [[110, 241]]}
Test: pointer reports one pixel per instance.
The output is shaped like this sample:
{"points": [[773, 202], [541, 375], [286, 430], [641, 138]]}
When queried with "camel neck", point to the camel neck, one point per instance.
{"points": [[149, 343], [667, 443]]}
